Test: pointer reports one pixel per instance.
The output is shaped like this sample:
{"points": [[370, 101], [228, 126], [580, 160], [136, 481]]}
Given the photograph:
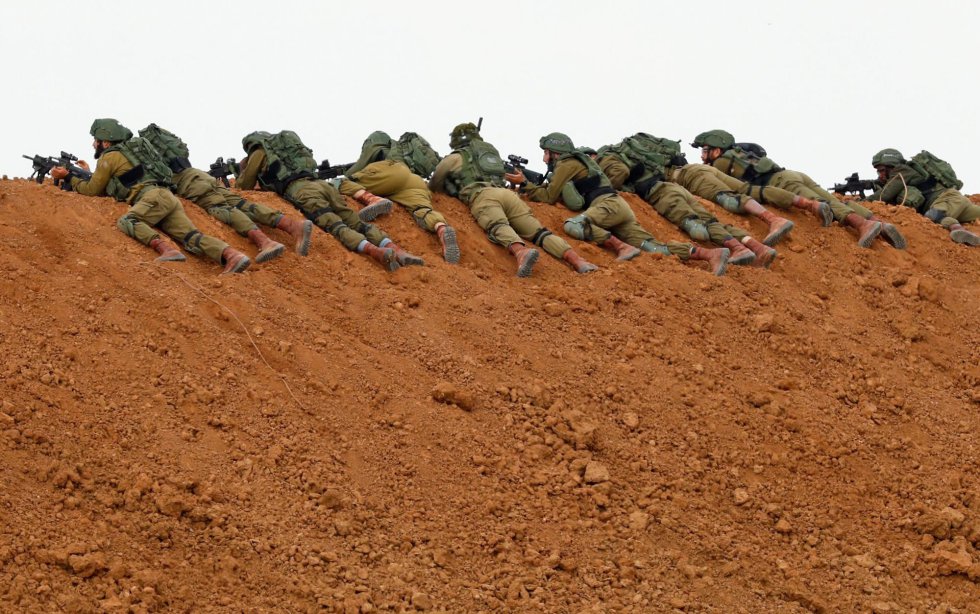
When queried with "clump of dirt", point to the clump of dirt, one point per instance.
{"points": [[645, 438]]}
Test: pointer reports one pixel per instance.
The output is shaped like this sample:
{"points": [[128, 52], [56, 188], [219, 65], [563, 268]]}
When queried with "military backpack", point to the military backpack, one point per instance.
{"points": [[173, 150], [481, 164], [655, 151], [937, 169], [288, 159], [148, 168], [416, 153]]}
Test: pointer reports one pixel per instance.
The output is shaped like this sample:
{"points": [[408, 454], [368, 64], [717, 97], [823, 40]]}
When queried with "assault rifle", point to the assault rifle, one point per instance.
{"points": [[854, 185], [516, 163], [221, 169], [325, 171], [42, 167]]}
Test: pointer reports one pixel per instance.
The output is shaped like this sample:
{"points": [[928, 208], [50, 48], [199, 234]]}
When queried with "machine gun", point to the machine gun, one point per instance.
{"points": [[42, 167], [854, 185], [325, 171], [220, 170], [516, 163]]}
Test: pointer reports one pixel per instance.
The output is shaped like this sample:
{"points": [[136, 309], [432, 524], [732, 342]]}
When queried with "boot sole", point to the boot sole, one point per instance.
{"points": [[826, 215], [893, 236], [775, 237], [450, 248], [720, 271], [303, 245], [869, 237], [630, 255], [764, 262], [390, 261], [372, 212], [270, 253], [525, 269], [964, 237], [242, 264], [410, 261], [744, 259], [177, 258]]}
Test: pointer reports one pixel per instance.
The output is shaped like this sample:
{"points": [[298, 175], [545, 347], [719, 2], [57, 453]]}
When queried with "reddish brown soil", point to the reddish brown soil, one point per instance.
{"points": [[647, 438]]}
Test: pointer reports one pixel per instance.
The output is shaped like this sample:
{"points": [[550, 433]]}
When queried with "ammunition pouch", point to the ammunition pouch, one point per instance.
{"points": [[178, 165]]}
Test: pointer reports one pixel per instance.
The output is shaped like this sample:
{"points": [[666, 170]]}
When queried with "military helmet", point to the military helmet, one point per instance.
{"points": [[887, 157], [378, 137], [463, 134], [254, 139], [587, 150], [108, 129], [714, 138], [557, 142]]}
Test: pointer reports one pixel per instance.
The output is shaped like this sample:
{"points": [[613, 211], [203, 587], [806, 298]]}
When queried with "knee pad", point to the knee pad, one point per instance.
{"points": [[654, 248], [336, 227], [579, 227], [695, 229], [127, 224], [192, 242], [935, 215], [729, 202], [540, 236], [419, 216], [492, 231]]}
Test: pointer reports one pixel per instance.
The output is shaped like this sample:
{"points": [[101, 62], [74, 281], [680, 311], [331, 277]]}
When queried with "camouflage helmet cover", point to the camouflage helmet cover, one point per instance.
{"points": [[463, 134], [714, 138], [887, 157], [557, 142], [254, 139], [108, 129]]}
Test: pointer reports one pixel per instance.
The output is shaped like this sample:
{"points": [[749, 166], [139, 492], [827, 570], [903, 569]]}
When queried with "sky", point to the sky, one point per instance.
{"points": [[821, 85]]}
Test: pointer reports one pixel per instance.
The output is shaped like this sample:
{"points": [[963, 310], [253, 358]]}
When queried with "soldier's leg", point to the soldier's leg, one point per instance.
{"points": [[530, 228], [950, 209], [680, 208], [200, 188], [489, 208], [177, 225], [315, 202]]}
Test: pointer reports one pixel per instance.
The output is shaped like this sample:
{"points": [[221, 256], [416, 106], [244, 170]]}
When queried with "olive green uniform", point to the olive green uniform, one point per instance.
{"points": [[319, 201], [500, 212], [792, 181], [151, 206], [708, 182], [203, 190], [673, 202], [394, 180], [912, 188]]}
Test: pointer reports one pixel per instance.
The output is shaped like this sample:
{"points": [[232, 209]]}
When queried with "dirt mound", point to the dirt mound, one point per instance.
{"points": [[646, 438]]}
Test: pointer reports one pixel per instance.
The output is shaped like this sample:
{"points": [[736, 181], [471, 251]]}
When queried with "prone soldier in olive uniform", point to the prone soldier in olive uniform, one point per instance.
{"points": [[606, 218], [639, 165], [282, 163], [132, 171], [928, 185], [474, 173], [749, 163], [203, 190], [387, 169]]}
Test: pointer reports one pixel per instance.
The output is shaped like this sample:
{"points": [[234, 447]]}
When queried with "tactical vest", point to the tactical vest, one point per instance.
{"points": [[748, 167], [416, 153], [578, 194], [173, 150], [481, 164], [148, 168], [937, 169], [287, 159]]}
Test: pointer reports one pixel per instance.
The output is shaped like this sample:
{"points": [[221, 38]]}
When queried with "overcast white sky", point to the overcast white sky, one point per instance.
{"points": [[822, 85]]}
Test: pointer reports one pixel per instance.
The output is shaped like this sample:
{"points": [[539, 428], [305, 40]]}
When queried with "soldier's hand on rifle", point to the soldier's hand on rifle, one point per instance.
{"points": [[59, 172], [84, 164], [516, 178]]}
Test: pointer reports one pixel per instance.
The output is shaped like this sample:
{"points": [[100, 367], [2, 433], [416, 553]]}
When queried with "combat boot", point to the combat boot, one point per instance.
{"points": [[526, 257], [779, 227], [958, 234], [817, 207], [450, 247], [580, 264], [623, 251], [384, 255], [268, 249], [739, 254], [890, 234], [375, 206], [868, 229], [168, 253], [716, 258], [764, 255], [235, 261], [300, 231], [404, 258]]}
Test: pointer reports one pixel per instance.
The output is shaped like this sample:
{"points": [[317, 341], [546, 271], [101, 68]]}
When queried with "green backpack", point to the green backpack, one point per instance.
{"points": [[173, 150], [148, 168], [938, 169], [416, 153], [481, 164], [288, 160], [752, 165]]}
